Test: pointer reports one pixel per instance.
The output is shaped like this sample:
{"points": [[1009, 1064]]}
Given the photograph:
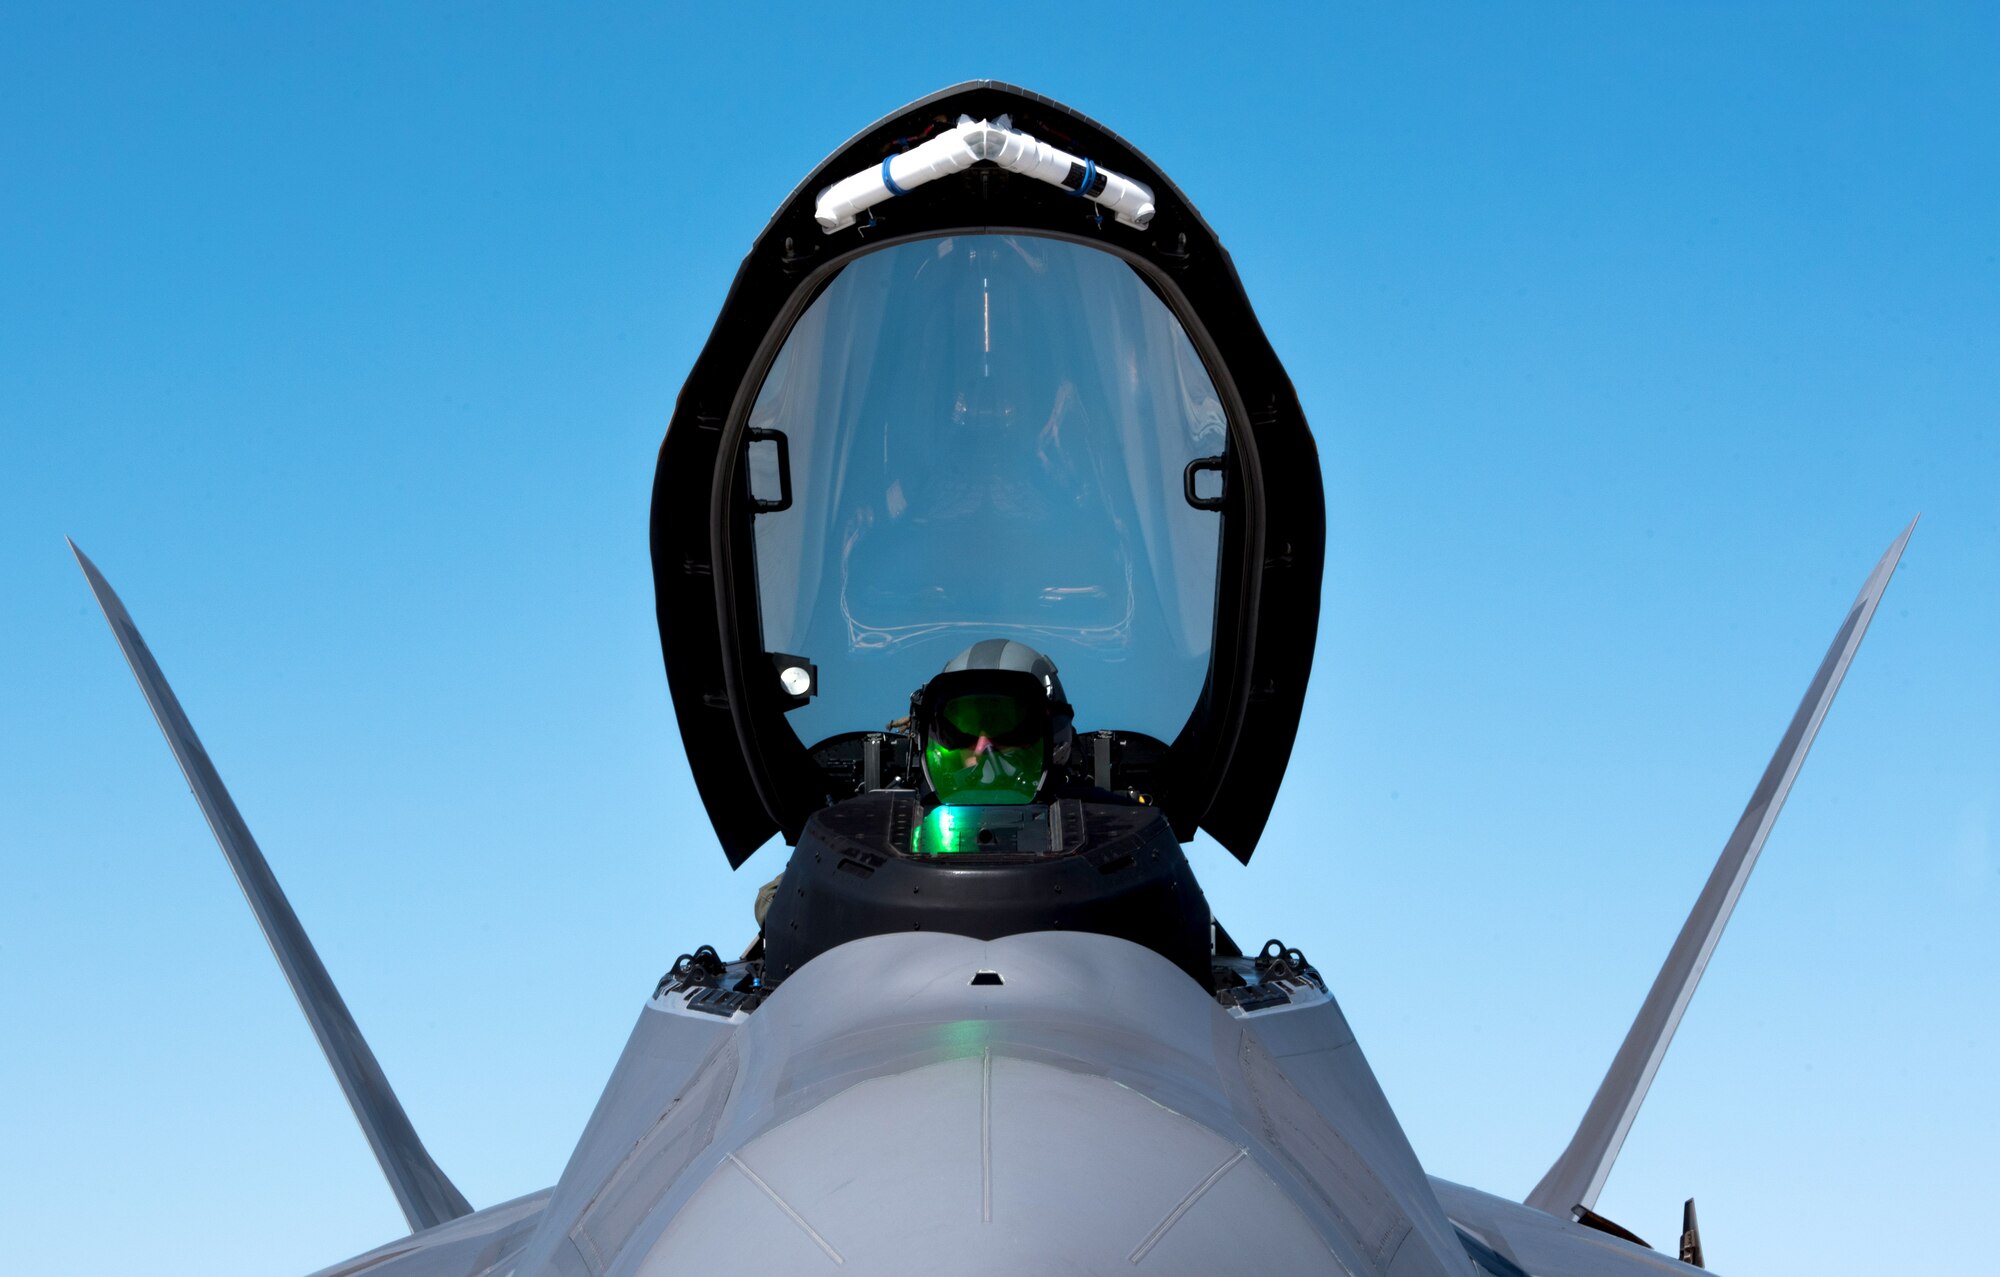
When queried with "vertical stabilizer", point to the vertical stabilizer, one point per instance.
{"points": [[422, 1190], [1577, 1177]]}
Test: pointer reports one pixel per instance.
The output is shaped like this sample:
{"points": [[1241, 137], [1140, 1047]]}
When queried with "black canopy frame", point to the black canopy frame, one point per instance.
{"points": [[1224, 767]]}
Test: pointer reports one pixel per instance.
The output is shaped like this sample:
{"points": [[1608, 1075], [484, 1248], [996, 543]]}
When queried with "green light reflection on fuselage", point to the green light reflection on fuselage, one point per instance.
{"points": [[962, 1038]]}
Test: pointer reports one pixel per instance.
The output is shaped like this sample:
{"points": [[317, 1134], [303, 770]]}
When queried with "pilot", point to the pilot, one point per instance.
{"points": [[993, 726], [994, 729]]}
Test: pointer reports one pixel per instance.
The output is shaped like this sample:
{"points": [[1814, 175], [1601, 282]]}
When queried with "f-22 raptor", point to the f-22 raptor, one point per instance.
{"points": [[987, 540]]}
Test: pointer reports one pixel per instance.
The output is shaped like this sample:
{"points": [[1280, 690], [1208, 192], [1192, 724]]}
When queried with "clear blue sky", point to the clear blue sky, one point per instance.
{"points": [[343, 338]]}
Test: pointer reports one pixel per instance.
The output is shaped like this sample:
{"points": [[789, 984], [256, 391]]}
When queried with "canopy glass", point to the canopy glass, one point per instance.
{"points": [[987, 437]]}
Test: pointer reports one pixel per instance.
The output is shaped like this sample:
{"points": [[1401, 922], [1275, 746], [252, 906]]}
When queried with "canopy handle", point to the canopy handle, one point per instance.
{"points": [[784, 501], [1194, 468]]}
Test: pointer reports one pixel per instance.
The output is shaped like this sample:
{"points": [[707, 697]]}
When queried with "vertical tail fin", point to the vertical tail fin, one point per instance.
{"points": [[422, 1190], [1691, 1237], [1577, 1177]]}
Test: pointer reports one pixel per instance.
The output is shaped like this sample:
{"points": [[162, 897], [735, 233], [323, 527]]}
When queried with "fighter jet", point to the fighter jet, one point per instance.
{"points": [[987, 538]]}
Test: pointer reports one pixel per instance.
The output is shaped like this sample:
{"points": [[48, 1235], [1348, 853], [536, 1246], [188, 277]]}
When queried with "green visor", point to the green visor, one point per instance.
{"points": [[985, 735]]}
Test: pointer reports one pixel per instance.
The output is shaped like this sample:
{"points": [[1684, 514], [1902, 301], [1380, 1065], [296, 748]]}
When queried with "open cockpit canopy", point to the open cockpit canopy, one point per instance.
{"points": [[987, 409], [987, 437]]}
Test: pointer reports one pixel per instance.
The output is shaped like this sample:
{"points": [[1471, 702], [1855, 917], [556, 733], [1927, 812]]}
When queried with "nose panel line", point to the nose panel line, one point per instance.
{"points": [[1174, 1215], [986, 1136], [796, 1218]]}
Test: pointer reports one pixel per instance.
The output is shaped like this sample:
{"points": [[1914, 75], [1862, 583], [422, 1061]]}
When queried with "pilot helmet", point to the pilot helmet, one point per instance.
{"points": [[992, 725]]}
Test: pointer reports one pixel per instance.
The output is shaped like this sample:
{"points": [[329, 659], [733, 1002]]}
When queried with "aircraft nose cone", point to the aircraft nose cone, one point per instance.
{"points": [[988, 1164]]}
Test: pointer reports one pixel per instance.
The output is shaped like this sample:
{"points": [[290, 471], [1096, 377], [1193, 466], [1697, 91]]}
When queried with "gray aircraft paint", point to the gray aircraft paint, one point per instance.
{"points": [[1578, 1175], [1096, 1112], [482, 1244], [1544, 1246], [422, 1190]]}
